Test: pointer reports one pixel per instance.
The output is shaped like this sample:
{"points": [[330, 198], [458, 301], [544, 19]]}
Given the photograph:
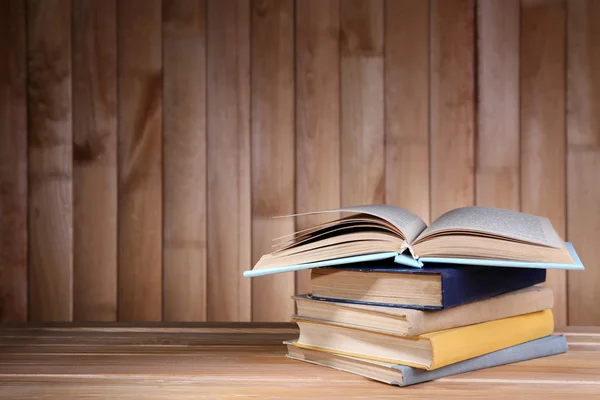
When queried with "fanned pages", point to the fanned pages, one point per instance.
{"points": [[469, 235], [408, 224]]}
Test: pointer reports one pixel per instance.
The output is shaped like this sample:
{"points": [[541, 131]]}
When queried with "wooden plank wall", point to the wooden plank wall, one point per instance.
{"points": [[145, 145]]}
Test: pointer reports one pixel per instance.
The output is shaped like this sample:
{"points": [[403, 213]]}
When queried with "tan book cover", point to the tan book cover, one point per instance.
{"points": [[408, 322]]}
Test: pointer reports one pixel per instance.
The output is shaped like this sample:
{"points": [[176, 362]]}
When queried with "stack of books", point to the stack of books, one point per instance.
{"points": [[399, 302]]}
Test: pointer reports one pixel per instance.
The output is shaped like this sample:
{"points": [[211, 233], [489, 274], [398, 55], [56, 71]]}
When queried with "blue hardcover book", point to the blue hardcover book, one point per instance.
{"points": [[480, 236], [456, 285], [402, 375]]}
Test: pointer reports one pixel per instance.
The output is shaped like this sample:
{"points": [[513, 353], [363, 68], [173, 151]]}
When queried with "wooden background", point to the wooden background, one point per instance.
{"points": [[146, 144]]}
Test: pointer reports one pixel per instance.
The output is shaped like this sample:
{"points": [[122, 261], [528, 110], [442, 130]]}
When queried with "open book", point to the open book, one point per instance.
{"points": [[469, 235]]}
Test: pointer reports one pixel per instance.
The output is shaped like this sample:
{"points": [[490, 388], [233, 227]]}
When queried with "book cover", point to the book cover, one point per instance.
{"points": [[460, 285], [450, 346], [411, 322], [407, 260], [544, 347]]}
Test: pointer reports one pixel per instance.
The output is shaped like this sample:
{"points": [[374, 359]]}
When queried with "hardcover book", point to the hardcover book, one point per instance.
{"points": [[467, 236], [410, 322], [428, 351], [429, 288], [402, 375]]}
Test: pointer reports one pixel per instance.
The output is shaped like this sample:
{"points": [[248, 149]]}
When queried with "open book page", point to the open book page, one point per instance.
{"points": [[345, 230], [348, 222], [406, 222], [497, 222]]}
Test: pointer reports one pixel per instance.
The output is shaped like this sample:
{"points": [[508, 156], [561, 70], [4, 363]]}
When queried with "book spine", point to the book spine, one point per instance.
{"points": [[469, 284]]}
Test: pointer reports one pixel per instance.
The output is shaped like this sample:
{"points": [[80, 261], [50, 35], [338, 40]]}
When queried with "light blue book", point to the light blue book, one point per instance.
{"points": [[490, 236], [402, 375]]}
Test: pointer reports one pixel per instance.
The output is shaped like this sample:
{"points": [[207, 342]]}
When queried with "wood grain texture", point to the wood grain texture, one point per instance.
{"points": [[189, 362], [407, 105], [140, 160], [271, 107], [229, 176], [273, 162], [94, 160], [452, 113], [50, 160], [583, 157], [317, 115], [543, 160], [184, 59], [13, 162], [361, 92], [498, 146]]}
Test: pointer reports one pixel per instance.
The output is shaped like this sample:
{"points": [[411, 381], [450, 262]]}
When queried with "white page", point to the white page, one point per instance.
{"points": [[496, 221]]}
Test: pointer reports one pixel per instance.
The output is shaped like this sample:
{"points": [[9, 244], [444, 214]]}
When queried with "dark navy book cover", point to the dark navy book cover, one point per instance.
{"points": [[460, 284]]}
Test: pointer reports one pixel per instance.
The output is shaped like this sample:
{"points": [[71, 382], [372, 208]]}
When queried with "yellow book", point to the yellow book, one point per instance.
{"points": [[430, 350]]}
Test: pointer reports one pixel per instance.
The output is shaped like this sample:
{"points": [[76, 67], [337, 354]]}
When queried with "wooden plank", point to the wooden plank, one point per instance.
{"points": [[184, 160], [583, 133], [91, 328], [498, 139], [315, 383], [200, 364], [136, 343], [69, 329], [452, 110], [140, 163], [13, 162], [125, 337], [578, 330], [225, 361], [228, 136], [407, 105], [362, 133], [317, 114], [543, 124], [94, 160], [50, 160], [273, 159]]}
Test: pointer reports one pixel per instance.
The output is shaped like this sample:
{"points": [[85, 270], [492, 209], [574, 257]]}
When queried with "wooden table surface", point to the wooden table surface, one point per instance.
{"points": [[247, 361]]}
